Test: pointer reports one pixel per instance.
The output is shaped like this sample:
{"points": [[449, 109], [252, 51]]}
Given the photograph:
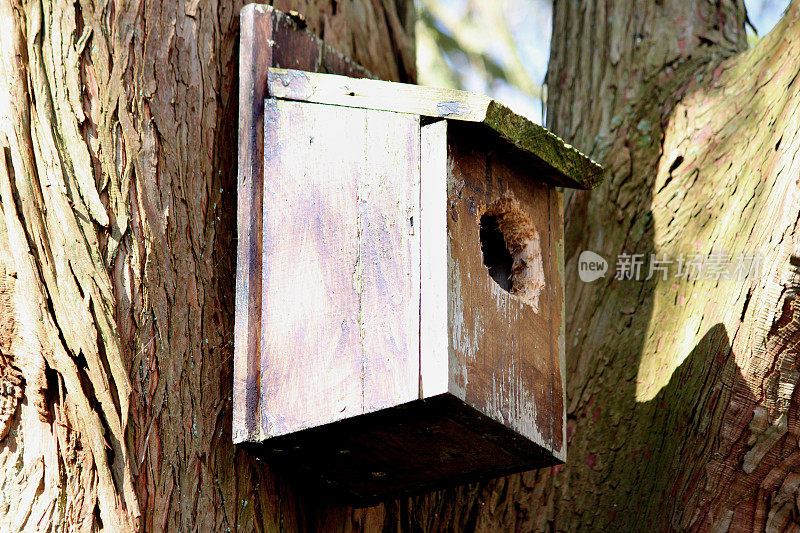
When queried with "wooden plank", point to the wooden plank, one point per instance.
{"points": [[434, 343], [501, 361], [311, 362], [254, 59], [340, 266], [377, 94], [421, 446], [576, 170], [268, 39], [388, 207], [557, 332], [570, 167]]}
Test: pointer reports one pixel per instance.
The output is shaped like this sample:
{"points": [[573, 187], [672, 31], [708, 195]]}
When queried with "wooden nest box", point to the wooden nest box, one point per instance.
{"points": [[404, 330]]}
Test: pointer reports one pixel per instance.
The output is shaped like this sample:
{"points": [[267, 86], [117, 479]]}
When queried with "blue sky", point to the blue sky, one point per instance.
{"points": [[764, 14]]}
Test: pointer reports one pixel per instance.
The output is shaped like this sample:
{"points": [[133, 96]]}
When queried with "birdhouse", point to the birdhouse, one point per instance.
{"points": [[410, 332]]}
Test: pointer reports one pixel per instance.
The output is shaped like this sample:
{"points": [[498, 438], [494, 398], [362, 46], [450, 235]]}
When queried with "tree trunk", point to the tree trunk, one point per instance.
{"points": [[117, 256], [681, 394], [682, 398]]}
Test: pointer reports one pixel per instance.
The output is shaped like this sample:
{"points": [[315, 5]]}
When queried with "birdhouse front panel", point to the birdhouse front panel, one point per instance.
{"points": [[410, 330], [341, 264]]}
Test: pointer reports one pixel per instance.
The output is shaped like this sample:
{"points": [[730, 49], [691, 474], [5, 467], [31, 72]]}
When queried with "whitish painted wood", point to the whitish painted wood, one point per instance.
{"points": [[340, 266], [560, 163], [311, 360], [376, 94], [434, 345], [388, 213], [268, 37]]}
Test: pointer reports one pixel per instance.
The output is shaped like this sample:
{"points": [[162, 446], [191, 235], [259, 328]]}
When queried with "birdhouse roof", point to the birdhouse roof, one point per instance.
{"points": [[571, 167]]}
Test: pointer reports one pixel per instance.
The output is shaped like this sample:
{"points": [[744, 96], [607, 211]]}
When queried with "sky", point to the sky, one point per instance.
{"points": [[764, 14], [529, 22]]}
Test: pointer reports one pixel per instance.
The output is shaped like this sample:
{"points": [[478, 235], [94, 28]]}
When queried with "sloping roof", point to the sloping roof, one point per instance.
{"points": [[577, 170]]}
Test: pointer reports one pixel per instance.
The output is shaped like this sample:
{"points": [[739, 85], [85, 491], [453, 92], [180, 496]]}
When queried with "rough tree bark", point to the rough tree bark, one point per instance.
{"points": [[116, 272], [682, 394], [117, 187]]}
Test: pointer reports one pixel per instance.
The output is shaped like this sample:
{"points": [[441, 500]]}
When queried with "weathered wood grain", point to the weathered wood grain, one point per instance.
{"points": [[564, 164], [389, 360], [457, 292], [388, 273], [311, 354], [268, 38], [377, 94], [557, 327], [501, 342], [340, 264], [254, 58]]}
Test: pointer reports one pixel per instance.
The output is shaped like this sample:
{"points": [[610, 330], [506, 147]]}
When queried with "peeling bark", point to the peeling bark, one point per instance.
{"points": [[117, 175], [681, 394], [116, 272]]}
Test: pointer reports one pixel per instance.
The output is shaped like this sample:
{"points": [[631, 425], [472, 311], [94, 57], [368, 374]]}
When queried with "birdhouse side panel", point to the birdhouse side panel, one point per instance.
{"points": [[557, 320], [340, 302], [501, 285]]}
